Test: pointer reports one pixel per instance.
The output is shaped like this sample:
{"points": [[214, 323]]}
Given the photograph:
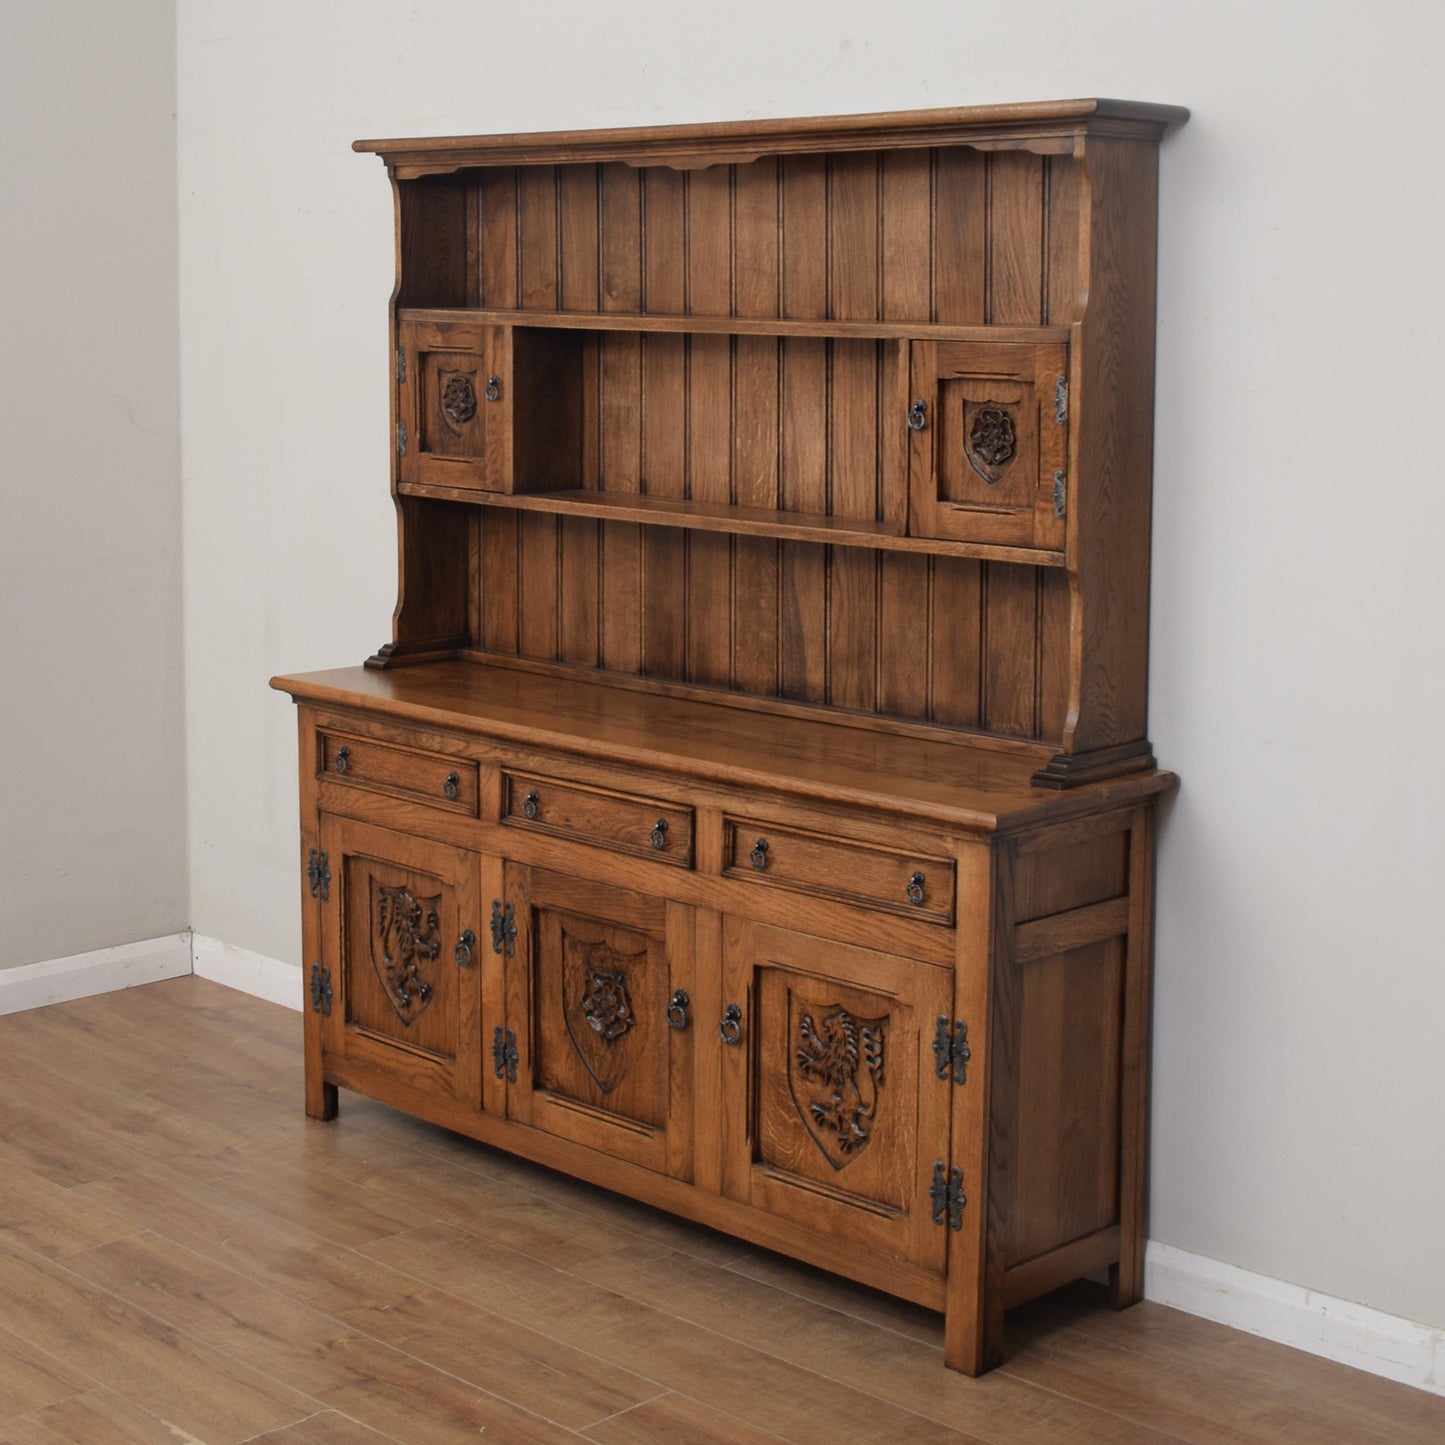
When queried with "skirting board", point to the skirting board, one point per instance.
{"points": [[58, 980], [1336, 1329], [248, 972]]}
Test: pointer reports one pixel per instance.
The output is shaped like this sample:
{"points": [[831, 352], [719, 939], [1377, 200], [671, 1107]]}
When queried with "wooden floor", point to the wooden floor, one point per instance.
{"points": [[183, 1256]]}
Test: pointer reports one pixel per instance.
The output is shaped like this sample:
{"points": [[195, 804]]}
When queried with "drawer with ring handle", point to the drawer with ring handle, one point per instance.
{"points": [[623, 821], [851, 870], [432, 778]]}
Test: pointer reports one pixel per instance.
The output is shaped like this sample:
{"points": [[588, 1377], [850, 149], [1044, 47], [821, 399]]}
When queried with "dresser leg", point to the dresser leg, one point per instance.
{"points": [[320, 1100]]}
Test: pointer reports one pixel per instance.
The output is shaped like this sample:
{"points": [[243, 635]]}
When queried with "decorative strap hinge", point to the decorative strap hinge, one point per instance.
{"points": [[1061, 400], [946, 1196], [318, 875], [504, 1053], [504, 928], [1060, 495], [321, 993], [400, 364], [401, 437], [950, 1050]]}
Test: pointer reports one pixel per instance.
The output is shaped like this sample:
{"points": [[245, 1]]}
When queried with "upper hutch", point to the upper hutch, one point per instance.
{"points": [[768, 679]]}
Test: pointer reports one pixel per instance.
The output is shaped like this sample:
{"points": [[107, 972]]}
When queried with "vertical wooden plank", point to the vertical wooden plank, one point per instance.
{"points": [[757, 271], [620, 226], [960, 237], [803, 406], [802, 622], [577, 591], [709, 423], [1053, 689], [1011, 637], [853, 294], [578, 241], [955, 671], [497, 224], [537, 585], [475, 592], [537, 238], [905, 215], [1016, 238], [1062, 255], [903, 633], [499, 580], [621, 590], [664, 411]]}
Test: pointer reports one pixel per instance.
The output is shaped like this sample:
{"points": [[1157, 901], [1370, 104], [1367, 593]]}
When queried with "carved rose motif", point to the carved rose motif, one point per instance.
{"points": [[992, 441], [459, 401], [606, 1005]]}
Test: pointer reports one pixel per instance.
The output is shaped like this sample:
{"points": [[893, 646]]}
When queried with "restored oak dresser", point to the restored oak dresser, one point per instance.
{"points": [[752, 811]]}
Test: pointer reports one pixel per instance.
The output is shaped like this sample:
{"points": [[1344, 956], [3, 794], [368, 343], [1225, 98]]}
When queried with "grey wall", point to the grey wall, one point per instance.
{"points": [[92, 807]]}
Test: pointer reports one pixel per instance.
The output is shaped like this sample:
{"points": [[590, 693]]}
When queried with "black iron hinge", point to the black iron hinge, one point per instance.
{"points": [[1061, 400], [504, 1053], [318, 875], [1061, 496], [321, 994], [400, 364], [946, 1196], [504, 928], [950, 1050], [401, 438]]}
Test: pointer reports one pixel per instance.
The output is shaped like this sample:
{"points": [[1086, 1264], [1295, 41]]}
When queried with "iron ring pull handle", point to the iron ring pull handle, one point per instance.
{"points": [[677, 1010], [918, 415], [494, 388], [530, 802], [343, 759], [914, 891], [730, 1027], [451, 785], [759, 855], [658, 837], [464, 948]]}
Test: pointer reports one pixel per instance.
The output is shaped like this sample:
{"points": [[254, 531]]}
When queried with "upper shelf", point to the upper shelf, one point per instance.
{"points": [[734, 325], [1049, 127]]}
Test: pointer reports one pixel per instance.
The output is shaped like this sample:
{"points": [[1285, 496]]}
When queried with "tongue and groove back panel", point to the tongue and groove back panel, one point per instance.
{"points": [[952, 236]]}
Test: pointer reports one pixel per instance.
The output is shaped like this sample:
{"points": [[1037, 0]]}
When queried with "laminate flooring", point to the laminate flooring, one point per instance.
{"points": [[185, 1257]]}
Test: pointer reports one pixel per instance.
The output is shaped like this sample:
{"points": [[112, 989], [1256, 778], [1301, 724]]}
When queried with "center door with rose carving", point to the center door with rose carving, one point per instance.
{"points": [[598, 999], [831, 1047], [397, 988]]}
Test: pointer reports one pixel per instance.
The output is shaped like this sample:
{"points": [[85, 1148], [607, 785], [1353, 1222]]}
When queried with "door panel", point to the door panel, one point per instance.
{"points": [[845, 1118], [394, 936], [604, 1062]]}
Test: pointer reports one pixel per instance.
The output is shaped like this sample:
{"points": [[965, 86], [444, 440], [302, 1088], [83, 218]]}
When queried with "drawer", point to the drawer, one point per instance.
{"points": [[913, 884], [622, 821], [432, 778]]}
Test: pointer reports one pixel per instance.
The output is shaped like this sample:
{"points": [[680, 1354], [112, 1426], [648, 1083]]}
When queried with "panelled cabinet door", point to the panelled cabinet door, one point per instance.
{"points": [[834, 1117], [401, 941], [989, 458], [453, 404], [597, 1001]]}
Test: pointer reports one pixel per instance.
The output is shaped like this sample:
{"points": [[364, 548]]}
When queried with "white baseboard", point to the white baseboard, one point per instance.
{"points": [[58, 980], [252, 973], [1351, 1334]]}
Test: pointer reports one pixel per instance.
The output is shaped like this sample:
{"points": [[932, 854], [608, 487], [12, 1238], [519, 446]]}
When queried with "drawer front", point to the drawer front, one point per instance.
{"points": [[621, 821], [913, 884], [431, 778]]}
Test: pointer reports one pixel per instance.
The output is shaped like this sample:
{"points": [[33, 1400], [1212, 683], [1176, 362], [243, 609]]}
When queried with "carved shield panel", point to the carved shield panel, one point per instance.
{"points": [[405, 942], [835, 1072], [597, 1004]]}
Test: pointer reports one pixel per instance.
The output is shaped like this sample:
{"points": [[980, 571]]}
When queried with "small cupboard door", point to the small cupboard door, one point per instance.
{"points": [[990, 443], [401, 944], [833, 1115], [451, 379], [600, 1016]]}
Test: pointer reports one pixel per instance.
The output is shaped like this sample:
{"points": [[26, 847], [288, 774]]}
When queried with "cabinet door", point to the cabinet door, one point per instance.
{"points": [[400, 940], [597, 1003], [452, 405], [833, 1115], [989, 462]]}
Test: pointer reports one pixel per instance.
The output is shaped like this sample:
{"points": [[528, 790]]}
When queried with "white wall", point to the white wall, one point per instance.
{"points": [[92, 823], [1297, 614]]}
